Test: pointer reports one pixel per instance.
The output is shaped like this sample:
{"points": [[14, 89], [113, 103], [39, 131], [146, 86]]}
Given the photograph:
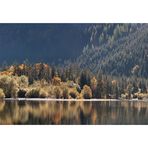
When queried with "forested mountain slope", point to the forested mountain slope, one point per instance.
{"points": [[116, 49], [127, 55]]}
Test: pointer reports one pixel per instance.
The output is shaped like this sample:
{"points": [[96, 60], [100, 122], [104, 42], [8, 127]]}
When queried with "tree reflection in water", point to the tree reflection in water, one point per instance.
{"points": [[81, 112]]}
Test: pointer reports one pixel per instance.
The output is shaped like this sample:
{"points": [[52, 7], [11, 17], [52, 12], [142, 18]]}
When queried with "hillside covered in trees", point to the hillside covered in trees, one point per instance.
{"points": [[119, 51], [79, 61], [115, 49]]}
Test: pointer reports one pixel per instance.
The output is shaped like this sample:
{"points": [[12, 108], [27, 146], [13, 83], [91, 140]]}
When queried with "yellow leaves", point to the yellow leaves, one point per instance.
{"points": [[114, 82], [86, 92], [11, 69], [39, 65], [56, 80], [141, 95], [58, 92], [36, 93], [93, 82], [22, 66], [7, 73], [2, 95]]}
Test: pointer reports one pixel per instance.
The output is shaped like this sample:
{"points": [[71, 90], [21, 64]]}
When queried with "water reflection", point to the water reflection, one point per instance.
{"points": [[54, 112]]}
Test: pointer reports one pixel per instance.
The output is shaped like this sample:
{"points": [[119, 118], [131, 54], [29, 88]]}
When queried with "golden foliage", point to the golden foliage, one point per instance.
{"points": [[86, 92], [56, 80], [93, 83], [14, 88], [114, 82], [43, 93], [57, 92], [23, 81], [7, 73], [22, 67], [2, 95], [36, 93], [9, 85]]}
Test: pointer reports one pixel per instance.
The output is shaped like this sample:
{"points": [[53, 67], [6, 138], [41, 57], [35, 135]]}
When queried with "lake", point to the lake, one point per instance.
{"points": [[73, 112]]}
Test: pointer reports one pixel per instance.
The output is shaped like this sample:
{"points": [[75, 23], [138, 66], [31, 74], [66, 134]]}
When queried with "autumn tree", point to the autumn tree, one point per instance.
{"points": [[93, 86], [56, 80], [86, 92], [2, 95], [14, 88], [57, 92], [23, 81]]}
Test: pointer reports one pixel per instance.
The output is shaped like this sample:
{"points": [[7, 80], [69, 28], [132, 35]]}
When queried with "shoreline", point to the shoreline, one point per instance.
{"points": [[76, 100]]}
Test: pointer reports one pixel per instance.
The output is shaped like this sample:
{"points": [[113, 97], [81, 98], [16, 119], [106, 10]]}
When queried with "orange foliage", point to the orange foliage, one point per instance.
{"points": [[6, 73], [114, 82], [56, 80], [22, 66]]}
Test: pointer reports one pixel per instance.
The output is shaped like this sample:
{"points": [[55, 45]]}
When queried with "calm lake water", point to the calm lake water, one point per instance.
{"points": [[60, 112]]}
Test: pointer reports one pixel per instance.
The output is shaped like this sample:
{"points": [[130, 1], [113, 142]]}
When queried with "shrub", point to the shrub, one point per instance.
{"points": [[57, 92], [43, 83], [14, 88], [22, 93], [43, 93], [86, 92], [93, 86], [56, 80], [73, 94], [23, 81], [9, 85], [65, 93], [36, 93], [33, 93], [50, 90], [5, 85], [2, 95]]}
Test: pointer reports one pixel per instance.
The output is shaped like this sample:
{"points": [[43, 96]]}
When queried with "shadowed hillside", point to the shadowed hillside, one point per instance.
{"points": [[50, 43]]}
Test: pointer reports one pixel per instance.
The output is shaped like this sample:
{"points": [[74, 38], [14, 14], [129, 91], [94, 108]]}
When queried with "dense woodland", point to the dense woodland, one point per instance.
{"points": [[122, 51], [44, 81], [82, 61]]}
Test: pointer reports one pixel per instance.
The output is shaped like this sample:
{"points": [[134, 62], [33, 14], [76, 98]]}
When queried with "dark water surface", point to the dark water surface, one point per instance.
{"points": [[60, 112]]}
